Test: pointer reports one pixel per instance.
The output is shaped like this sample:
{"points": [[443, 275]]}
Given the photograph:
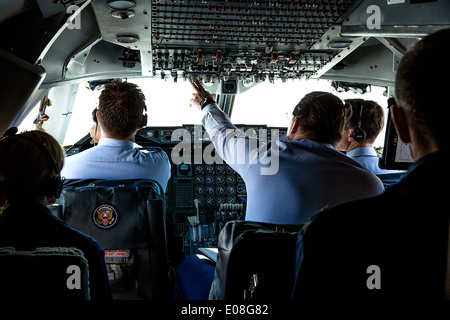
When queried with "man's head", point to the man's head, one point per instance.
{"points": [[422, 112], [121, 108], [29, 164], [319, 116], [371, 116]]}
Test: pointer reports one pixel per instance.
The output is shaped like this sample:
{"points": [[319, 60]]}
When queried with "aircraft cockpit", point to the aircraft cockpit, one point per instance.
{"points": [[257, 58]]}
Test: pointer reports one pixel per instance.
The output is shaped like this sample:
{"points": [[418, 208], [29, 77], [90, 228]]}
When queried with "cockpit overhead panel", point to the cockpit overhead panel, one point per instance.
{"points": [[248, 40], [230, 45], [217, 41]]}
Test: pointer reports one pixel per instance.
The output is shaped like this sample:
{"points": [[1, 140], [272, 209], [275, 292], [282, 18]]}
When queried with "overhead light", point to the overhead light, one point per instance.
{"points": [[127, 38], [339, 44], [121, 4], [122, 14]]}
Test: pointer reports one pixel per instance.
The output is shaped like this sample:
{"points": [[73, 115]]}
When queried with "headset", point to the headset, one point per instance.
{"points": [[359, 134], [94, 118], [143, 122], [53, 187]]}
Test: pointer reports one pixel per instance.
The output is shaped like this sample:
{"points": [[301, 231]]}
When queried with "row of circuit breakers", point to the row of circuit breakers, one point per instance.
{"points": [[251, 41]]}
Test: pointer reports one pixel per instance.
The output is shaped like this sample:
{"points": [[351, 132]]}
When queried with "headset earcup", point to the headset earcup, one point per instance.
{"points": [[144, 121], [94, 115], [144, 117], [54, 187], [359, 134]]}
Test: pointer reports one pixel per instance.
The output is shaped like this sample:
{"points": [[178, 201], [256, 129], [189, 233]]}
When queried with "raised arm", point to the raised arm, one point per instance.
{"points": [[230, 143]]}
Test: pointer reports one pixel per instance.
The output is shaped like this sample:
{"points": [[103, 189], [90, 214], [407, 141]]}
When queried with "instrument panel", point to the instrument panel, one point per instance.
{"points": [[197, 134], [201, 197], [216, 184]]}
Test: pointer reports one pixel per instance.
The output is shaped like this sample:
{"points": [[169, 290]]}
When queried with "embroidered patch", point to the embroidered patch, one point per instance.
{"points": [[105, 216]]}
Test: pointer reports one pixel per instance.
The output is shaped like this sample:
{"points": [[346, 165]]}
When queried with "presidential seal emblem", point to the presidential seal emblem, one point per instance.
{"points": [[105, 216]]}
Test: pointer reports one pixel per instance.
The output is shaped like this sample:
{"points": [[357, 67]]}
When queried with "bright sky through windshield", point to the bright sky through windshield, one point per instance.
{"points": [[168, 104]]}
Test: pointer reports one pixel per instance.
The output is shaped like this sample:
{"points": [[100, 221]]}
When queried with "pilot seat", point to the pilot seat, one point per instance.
{"points": [[255, 261], [127, 219]]}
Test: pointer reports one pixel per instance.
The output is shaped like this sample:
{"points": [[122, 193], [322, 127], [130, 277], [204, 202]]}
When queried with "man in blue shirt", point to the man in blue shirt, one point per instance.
{"points": [[290, 179], [120, 115], [363, 127], [287, 180]]}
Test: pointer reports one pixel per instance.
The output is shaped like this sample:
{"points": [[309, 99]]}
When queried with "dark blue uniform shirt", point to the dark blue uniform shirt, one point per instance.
{"points": [[403, 234]]}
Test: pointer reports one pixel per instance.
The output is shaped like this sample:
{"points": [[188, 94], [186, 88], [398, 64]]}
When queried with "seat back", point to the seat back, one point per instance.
{"points": [[45, 273], [256, 261], [127, 219]]}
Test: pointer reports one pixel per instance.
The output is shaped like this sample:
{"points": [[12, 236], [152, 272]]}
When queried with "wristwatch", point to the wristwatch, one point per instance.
{"points": [[205, 102]]}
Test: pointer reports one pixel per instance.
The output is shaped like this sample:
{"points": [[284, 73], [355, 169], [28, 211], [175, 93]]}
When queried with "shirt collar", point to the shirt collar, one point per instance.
{"points": [[110, 142], [362, 151]]}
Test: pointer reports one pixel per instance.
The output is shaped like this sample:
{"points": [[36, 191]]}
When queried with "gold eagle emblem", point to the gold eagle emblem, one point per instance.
{"points": [[105, 216]]}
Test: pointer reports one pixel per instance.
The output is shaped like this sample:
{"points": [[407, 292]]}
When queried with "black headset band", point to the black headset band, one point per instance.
{"points": [[360, 115], [359, 134]]}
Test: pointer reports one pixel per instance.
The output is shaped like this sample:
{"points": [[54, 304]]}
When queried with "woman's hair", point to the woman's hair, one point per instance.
{"points": [[25, 169], [321, 116]]}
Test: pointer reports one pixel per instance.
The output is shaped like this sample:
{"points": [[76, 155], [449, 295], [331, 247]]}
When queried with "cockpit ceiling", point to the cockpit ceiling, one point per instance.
{"points": [[218, 41]]}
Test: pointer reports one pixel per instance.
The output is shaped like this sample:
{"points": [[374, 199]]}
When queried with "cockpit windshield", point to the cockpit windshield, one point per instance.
{"points": [[167, 102]]}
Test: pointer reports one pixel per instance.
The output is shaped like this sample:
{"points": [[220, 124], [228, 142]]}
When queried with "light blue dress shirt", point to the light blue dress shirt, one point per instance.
{"points": [[118, 159], [367, 156], [288, 181]]}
